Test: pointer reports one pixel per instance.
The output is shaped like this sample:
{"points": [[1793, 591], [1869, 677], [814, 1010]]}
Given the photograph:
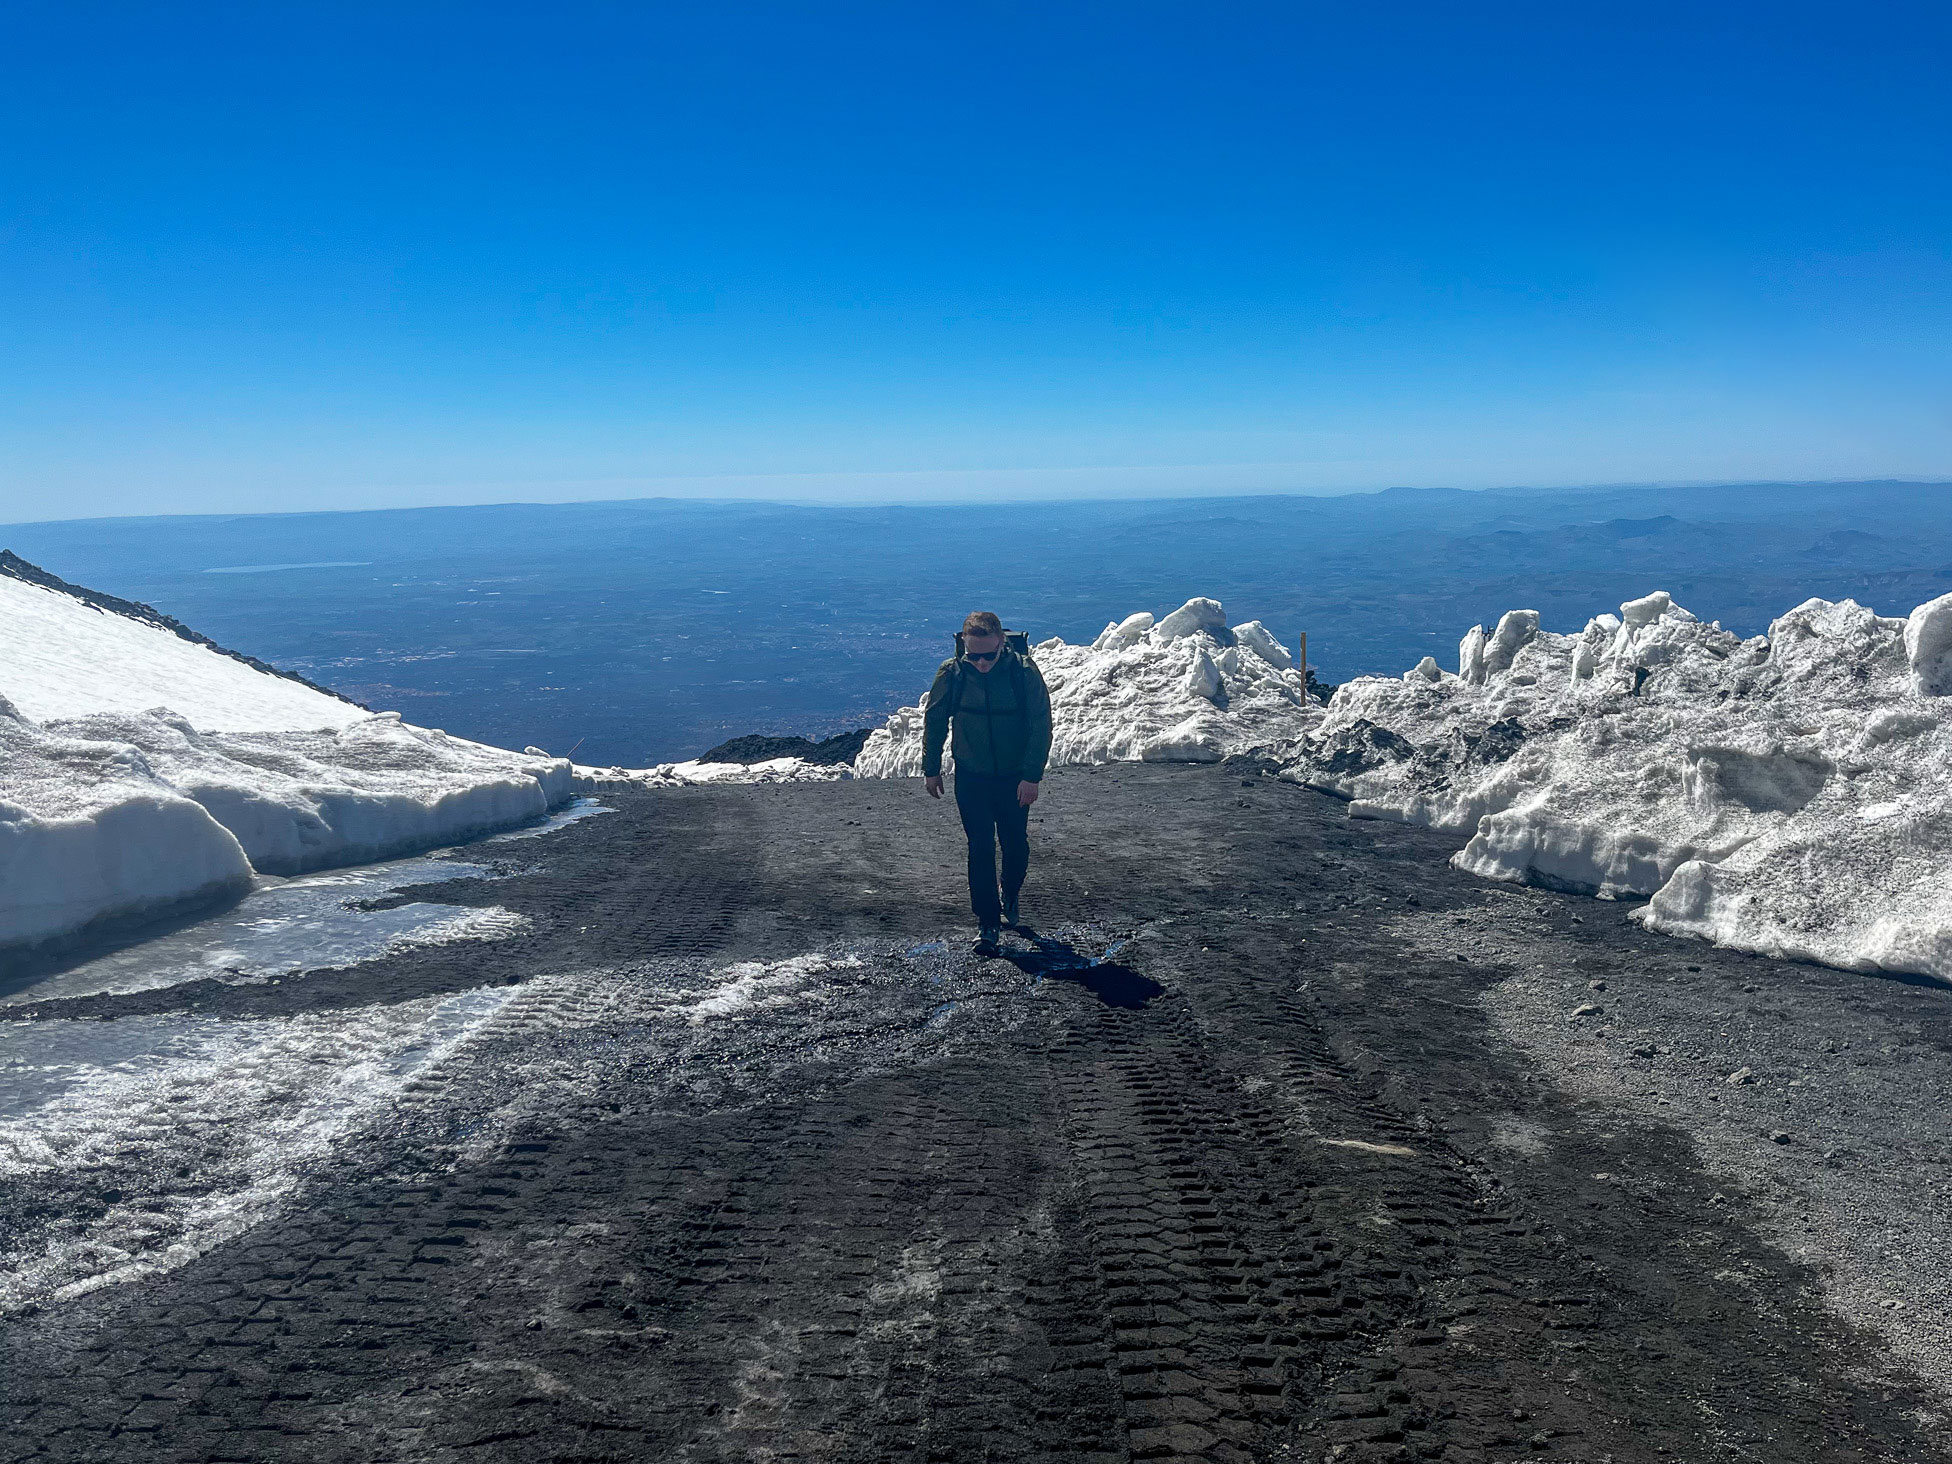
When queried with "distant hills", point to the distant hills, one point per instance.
{"points": [[638, 632]]}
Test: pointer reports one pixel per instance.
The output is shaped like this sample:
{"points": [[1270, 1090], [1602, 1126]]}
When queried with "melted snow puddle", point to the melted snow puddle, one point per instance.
{"points": [[305, 923], [571, 812], [246, 1107]]}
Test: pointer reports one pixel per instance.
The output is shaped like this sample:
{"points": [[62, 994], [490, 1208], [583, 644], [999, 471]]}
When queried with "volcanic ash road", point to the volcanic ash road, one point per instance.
{"points": [[1285, 1141]]}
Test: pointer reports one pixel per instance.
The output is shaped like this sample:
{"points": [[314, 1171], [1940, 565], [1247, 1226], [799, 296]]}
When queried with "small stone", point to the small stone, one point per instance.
{"points": [[1589, 1009], [1740, 1078], [1596, 986], [1646, 1051]]}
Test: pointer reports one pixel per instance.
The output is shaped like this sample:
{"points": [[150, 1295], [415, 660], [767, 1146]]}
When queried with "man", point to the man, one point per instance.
{"points": [[1001, 711]]}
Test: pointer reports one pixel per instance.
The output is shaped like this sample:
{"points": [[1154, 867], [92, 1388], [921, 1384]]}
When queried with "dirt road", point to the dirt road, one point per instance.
{"points": [[1284, 1141]]}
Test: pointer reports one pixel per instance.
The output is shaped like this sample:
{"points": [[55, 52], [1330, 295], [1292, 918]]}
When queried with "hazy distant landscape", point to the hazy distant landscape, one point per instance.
{"points": [[636, 632]]}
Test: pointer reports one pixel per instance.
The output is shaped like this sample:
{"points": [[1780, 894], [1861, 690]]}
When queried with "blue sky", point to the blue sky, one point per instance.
{"points": [[280, 257]]}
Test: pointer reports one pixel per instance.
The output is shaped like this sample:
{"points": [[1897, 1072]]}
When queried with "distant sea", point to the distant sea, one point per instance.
{"points": [[640, 632]]}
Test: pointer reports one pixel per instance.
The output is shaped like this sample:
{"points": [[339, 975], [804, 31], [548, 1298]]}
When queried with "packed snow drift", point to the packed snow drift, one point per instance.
{"points": [[1184, 688], [697, 771], [1789, 794], [142, 767]]}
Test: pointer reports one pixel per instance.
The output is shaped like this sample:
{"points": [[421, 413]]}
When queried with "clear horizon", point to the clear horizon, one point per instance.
{"points": [[1105, 498], [355, 257]]}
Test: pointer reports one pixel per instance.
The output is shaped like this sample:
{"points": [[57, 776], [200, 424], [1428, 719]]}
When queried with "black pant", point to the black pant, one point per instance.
{"points": [[991, 816]]}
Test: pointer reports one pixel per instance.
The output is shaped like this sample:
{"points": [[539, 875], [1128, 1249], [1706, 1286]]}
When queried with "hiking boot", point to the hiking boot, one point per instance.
{"points": [[1009, 912], [987, 938]]}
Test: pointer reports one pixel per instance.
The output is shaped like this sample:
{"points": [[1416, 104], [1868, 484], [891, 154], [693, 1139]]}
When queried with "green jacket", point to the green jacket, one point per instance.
{"points": [[994, 731]]}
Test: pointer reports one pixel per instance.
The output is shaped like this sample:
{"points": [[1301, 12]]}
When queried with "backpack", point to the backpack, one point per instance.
{"points": [[1013, 640]]}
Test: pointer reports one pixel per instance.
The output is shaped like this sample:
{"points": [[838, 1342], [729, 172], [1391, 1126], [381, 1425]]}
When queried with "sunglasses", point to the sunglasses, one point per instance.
{"points": [[981, 655]]}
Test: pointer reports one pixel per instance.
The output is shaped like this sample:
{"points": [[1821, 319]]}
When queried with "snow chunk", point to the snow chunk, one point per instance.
{"points": [[1129, 631], [1257, 638], [1425, 670], [1516, 630], [1470, 656], [1197, 614], [1928, 646], [1646, 610], [1203, 677]]}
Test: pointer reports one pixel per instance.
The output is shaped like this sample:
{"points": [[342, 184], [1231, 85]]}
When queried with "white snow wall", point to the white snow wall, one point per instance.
{"points": [[110, 815], [1183, 689], [1790, 794]]}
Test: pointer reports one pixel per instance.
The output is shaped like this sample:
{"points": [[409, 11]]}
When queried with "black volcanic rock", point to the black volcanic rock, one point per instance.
{"points": [[842, 747]]}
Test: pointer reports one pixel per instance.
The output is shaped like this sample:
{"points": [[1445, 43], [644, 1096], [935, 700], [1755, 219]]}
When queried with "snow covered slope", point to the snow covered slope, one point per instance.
{"points": [[1789, 794], [1181, 689], [67, 652], [141, 767]]}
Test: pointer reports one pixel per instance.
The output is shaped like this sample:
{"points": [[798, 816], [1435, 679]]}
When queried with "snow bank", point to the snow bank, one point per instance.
{"points": [[87, 831], [345, 795], [1183, 689], [141, 768], [689, 774], [1790, 794]]}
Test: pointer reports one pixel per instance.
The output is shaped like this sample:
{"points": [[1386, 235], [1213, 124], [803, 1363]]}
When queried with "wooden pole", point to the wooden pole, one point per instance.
{"points": [[1304, 664]]}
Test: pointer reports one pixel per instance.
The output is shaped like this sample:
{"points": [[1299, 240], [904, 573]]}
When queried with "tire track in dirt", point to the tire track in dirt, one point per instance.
{"points": [[924, 1207]]}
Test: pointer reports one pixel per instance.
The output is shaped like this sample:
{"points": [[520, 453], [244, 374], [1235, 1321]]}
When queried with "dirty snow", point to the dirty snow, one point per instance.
{"points": [[1185, 688], [688, 774], [251, 1107], [1786, 794], [754, 986]]}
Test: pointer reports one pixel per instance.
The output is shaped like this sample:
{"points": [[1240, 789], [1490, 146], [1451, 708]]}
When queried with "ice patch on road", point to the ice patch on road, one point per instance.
{"points": [[196, 1130], [1394, 1151], [284, 927], [759, 986], [312, 922], [131, 1147], [575, 811]]}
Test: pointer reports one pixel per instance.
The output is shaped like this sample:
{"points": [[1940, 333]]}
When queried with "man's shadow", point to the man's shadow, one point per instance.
{"points": [[1114, 984]]}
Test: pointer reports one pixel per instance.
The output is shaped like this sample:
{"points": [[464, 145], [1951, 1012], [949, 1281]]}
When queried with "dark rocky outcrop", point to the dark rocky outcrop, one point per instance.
{"points": [[842, 747]]}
